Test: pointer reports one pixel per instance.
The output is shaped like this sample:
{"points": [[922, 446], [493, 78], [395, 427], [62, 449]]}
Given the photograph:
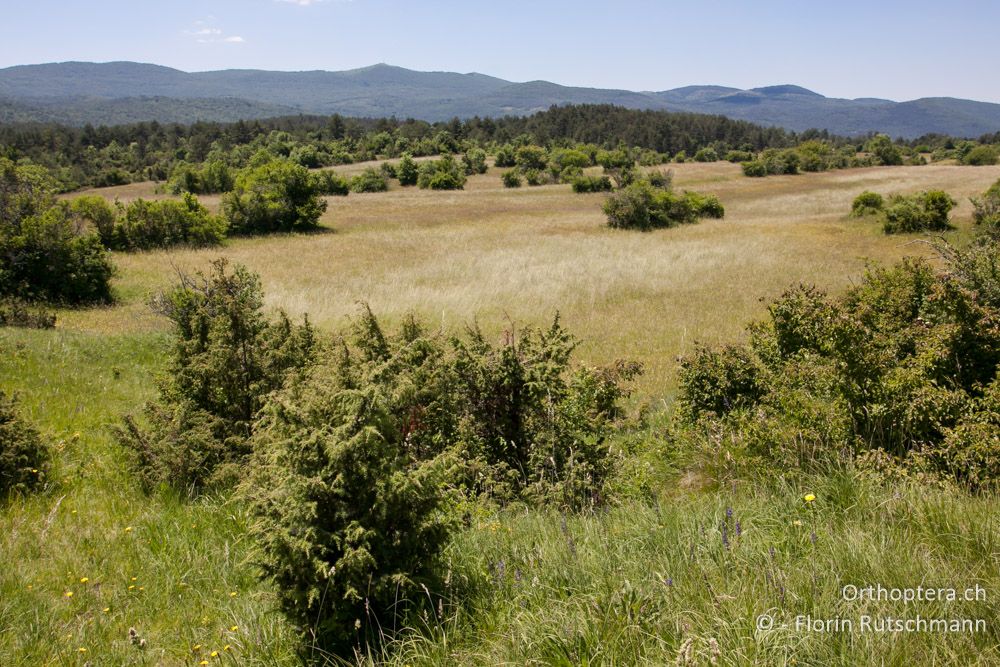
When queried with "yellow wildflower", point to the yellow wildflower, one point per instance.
{"points": [[82, 650], [203, 662], [131, 587], [68, 594], [196, 647], [233, 594], [797, 522], [234, 628], [227, 647], [214, 654], [809, 497], [128, 529], [84, 580], [106, 609], [134, 578]]}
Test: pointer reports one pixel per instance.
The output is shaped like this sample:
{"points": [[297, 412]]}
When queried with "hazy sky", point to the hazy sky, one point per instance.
{"points": [[894, 49]]}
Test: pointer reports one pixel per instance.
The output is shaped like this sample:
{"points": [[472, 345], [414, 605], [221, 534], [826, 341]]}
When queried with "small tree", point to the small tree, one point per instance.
{"points": [[227, 358], [370, 180], [407, 170], [884, 151], [273, 197], [443, 174]]}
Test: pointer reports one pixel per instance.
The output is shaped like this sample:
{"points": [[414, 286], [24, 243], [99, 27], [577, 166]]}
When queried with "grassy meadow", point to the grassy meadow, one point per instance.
{"points": [[682, 580]]}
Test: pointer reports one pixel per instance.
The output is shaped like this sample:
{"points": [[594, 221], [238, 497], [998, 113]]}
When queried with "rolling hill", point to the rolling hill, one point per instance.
{"points": [[119, 92]]}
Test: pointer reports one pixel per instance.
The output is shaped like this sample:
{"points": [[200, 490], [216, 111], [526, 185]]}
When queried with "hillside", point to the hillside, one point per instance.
{"points": [[119, 92]]}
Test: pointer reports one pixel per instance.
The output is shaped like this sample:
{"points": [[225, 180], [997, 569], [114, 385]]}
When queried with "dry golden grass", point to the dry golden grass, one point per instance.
{"points": [[520, 255]]}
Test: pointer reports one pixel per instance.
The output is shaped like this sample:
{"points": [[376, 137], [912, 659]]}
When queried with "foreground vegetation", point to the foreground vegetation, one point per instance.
{"points": [[677, 564]]}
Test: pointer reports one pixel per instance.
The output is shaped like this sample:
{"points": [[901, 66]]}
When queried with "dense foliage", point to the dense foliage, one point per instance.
{"points": [[227, 358], [275, 196], [44, 253], [24, 456], [644, 206], [900, 373], [926, 211]]}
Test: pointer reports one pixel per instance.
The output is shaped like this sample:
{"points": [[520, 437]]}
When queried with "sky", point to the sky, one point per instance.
{"points": [[890, 49]]}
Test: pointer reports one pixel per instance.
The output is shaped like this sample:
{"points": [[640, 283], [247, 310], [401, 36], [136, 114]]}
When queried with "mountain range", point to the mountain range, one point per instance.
{"points": [[77, 93]]}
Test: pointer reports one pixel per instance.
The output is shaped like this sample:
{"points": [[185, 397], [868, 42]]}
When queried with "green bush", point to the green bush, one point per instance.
{"points": [[706, 155], [474, 161], [349, 483], [16, 312], [97, 212], [867, 203], [535, 177], [44, 253], [981, 156], [160, 224], [355, 461], [754, 169], [531, 157], [227, 357], [986, 211], [277, 196], [927, 211], [511, 178], [705, 206], [370, 180], [884, 151], [583, 184], [329, 183], [24, 456], [641, 206], [661, 179], [905, 365], [212, 177], [506, 156], [407, 171], [442, 174], [739, 156]]}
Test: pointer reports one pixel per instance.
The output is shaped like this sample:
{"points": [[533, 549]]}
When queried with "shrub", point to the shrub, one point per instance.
{"points": [[442, 174], [327, 182], [904, 365], [407, 170], [531, 157], [272, 197], [511, 178], [986, 210], [583, 184], [981, 156], [348, 483], [661, 179], [641, 206], [474, 161], [226, 359], [506, 156], [754, 169], [927, 211], [867, 203], [535, 177], [160, 224], [16, 312], [705, 206], [44, 252], [706, 155], [97, 212], [884, 151], [24, 456], [213, 176], [353, 460], [739, 156], [370, 180]]}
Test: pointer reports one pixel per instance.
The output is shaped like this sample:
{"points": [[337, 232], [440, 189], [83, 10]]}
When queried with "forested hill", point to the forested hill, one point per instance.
{"points": [[77, 93]]}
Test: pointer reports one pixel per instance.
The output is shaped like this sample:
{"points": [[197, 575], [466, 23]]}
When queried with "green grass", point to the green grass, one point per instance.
{"points": [[166, 567]]}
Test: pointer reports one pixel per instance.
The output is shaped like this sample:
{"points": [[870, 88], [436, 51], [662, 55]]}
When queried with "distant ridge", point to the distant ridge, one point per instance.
{"points": [[120, 92]]}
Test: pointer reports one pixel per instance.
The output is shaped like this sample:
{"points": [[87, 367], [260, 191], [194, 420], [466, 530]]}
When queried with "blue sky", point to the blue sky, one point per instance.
{"points": [[899, 50]]}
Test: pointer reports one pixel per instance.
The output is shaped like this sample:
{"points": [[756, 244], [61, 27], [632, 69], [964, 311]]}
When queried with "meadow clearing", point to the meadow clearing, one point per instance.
{"points": [[643, 583]]}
